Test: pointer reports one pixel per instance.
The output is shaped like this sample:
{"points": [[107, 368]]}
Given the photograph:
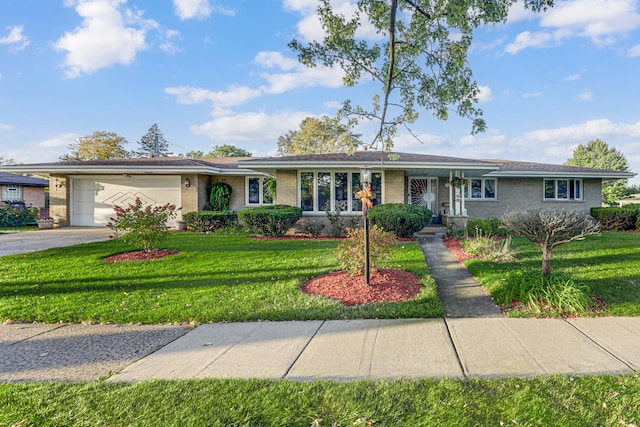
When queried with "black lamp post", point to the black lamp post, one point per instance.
{"points": [[365, 182]]}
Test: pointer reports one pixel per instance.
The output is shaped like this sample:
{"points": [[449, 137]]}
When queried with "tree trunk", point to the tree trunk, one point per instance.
{"points": [[546, 261]]}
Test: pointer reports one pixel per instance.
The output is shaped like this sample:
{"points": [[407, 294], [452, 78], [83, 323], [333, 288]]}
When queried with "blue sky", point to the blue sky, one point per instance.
{"points": [[212, 72]]}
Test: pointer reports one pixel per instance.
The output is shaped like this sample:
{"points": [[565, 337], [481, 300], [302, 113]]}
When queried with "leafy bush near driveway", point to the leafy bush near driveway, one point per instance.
{"points": [[617, 219], [272, 221], [401, 219], [208, 221], [144, 226], [11, 217]]}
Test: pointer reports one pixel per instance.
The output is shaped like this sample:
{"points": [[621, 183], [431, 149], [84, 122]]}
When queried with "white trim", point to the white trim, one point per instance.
{"points": [[482, 190], [568, 198]]}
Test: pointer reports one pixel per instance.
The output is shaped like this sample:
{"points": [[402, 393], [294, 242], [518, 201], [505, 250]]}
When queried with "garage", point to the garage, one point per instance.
{"points": [[93, 197]]}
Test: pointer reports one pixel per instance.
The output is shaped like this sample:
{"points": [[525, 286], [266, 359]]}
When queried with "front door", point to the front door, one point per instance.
{"points": [[423, 191]]}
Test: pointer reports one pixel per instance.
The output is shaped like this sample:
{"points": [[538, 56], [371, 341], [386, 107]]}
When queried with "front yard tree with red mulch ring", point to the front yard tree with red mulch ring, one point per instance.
{"points": [[143, 226]]}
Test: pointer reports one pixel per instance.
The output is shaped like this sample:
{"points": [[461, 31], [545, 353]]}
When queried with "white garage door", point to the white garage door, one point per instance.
{"points": [[93, 197]]}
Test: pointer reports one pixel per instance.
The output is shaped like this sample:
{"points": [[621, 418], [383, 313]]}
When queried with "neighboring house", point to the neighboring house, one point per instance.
{"points": [[22, 189], [633, 199], [84, 193]]}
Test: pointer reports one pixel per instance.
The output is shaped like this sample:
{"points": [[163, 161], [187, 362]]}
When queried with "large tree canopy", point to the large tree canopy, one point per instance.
{"points": [[598, 154], [326, 135], [97, 146], [419, 60], [227, 150]]}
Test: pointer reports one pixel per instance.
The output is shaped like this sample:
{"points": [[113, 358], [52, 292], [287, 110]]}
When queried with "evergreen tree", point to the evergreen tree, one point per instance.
{"points": [[153, 144]]}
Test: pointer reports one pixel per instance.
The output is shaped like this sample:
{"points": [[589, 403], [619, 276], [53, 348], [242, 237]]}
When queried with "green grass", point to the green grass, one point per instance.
{"points": [[216, 277], [542, 401], [608, 264]]}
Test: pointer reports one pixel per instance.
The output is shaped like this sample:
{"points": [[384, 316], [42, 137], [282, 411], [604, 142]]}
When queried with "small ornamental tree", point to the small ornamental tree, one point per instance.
{"points": [[143, 226], [549, 229], [351, 255]]}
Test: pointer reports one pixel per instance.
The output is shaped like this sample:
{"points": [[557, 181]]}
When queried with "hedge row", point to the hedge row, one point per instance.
{"points": [[207, 221], [618, 219]]}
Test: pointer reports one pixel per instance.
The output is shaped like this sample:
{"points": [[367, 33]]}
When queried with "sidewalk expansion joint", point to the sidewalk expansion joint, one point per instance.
{"points": [[455, 349], [599, 345], [302, 350]]}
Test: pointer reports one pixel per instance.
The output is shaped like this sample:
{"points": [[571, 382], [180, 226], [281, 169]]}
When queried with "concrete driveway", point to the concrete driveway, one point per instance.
{"points": [[31, 241]]}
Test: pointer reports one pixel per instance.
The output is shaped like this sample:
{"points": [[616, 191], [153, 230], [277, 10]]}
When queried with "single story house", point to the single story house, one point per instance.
{"points": [[84, 193], [22, 190]]}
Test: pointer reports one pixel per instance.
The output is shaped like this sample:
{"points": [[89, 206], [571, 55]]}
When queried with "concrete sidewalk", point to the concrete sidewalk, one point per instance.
{"points": [[336, 349]]}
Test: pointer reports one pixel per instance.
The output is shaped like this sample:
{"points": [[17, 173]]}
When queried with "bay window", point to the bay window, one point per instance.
{"points": [[320, 191]]}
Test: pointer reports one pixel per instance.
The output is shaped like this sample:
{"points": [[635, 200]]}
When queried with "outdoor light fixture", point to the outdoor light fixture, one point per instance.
{"points": [[59, 184], [187, 182], [365, 176]]}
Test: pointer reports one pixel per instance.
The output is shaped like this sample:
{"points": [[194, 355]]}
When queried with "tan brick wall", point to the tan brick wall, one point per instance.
{"points": [[59, 199], [33, 196], [394, 187], [519, 194], [189, 196], [287, 187]]}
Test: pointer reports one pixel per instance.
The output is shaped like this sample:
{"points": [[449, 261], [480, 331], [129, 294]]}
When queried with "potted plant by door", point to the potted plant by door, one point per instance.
{"points": [[45, 223]]}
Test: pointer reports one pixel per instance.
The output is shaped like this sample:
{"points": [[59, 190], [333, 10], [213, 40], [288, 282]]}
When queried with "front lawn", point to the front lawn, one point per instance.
{"points": [[544, 401], [609, 264], [215, 277]]}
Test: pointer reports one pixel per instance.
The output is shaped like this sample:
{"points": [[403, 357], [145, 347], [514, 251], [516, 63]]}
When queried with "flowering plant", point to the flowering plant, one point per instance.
{"points": [[457, 181], [144, 226]]}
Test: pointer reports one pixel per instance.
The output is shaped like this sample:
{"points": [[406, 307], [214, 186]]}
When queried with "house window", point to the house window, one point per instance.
{"points": [[562, 189], [12, 193], [259, 190], [480, 189], [320, 191]]}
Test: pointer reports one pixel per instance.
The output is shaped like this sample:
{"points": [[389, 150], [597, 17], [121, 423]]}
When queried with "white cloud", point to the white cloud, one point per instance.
{"points": [[528, 39], [199, 9], [4, 126], [62, 140], [235, 95], [531, 95], [603, 21], [634, 51], [572, 78], [600, 128], [587, 95], [257, 127], [485, 94], [16, 40], [103, 39]]}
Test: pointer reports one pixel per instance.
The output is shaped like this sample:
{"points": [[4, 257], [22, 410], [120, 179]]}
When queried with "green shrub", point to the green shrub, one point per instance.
{"points": [[219, 197], [208, 221], [11, 217], [313, 228], [552, 295], [616, 219], [488, 227], [270, 221], [350, 253], [400, 219], [144, 226], [337, 228]]}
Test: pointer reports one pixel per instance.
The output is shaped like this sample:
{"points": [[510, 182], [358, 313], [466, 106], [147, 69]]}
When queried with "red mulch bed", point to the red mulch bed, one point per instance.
{"points": [[141, 255], [387, 285], [455, 247]]}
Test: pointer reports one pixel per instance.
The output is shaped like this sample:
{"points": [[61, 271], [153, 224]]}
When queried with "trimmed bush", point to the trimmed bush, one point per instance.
{"points": [[487, 227], [11, 217], [400, 219], [209, 221], [272, 221], [617, 219]]}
